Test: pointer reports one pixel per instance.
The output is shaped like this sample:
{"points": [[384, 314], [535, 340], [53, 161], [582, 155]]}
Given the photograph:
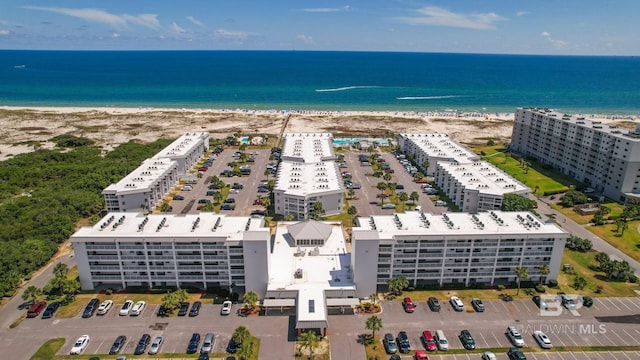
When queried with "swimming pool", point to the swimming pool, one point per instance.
{"points": [[345, 141]]}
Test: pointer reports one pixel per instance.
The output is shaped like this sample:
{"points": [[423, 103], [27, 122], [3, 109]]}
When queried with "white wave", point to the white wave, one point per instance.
{"points": [[348, 88], [427, 97]]}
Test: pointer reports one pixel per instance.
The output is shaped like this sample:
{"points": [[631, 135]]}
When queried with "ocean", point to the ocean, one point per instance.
{"points": [[302, 80]]}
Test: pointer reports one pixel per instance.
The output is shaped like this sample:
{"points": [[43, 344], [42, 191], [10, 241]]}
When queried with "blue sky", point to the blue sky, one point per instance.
{"points": [[567, 27]]}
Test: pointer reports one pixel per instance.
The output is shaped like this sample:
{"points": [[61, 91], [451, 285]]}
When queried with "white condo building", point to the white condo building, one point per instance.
{"points": [[477, 186], [307, 174], [605, 158], [453, 248], [145, 187], [434, 148]]}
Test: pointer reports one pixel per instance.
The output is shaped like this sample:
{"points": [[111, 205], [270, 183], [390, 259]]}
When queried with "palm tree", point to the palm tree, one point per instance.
{"points": [[521, 273], [310, 340], [404, 197], [544, 270], [397, 284], [414, 196], [31, 294], [70, 287], [289, 217], [250, 299], [267, 173], [246, 351], [374, 324], [241, 334], [373, 298], [60, 270], [266, 201], [351, 193], [217, 197], [387, 177]]}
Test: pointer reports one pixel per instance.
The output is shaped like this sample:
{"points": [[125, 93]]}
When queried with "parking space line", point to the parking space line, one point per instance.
{"points": [[613, 303], [486, 344], [619, 337], [624, 303], [495, 337], [633, 340], [598, 340], [610, 342]]}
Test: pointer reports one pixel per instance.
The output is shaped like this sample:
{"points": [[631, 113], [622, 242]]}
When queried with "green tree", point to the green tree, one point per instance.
{"points": [[246, 351], [543, 270], [267, 173], [351, 192], [250, 298], [414, 196], [172, 299], [373, 298], [382, 187], [602, 259], [387, 177], [266, 201], [573, 197], [374, 324], [521, 273], [217, 197], [241, 334], [396, 285], [60, 270], [31, 294], [403, 197], [579, 282], [515, 202], [425, 166], [309, 340], [353, 211], [70, 288], [289, 217], [165, 207]]}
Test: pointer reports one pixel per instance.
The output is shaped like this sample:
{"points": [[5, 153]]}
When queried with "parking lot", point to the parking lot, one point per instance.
{"points": [[549, 355]]}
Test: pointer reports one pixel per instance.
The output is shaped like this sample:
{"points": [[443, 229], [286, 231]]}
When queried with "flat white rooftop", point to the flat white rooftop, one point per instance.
{"points": [[158, 227], [441, 146], [484, 177], [456, 224], [303, 179], [580, 120], [143, 178], [183, 145], [308, 147]]}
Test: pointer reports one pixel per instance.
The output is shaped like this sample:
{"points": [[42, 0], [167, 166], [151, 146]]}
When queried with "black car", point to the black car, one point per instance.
{"points": [[467, 340], [477, 304], [142, 344], [91, 308], [118, 345], [395, 357], [50, 310], [178, 197], [237, 186], [162, 311], [403, 342], [232, 346], [194, 343], [184, 308], [587, 301], [434, 304], [195, 309], [204, 356], [516, 354]]}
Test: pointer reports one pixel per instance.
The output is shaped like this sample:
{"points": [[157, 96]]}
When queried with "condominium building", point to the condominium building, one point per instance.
{"points": [[477, 186], [453, 248], [145, 187], [605, 158], [131, 249], [308, 174], [434, 148]]}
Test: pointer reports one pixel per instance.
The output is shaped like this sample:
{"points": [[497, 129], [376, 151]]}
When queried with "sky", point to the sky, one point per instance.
{"points": [[545, 27]]}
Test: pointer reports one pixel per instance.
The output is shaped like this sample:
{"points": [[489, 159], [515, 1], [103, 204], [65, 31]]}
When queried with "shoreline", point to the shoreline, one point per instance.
{"points": [[25, 126]]}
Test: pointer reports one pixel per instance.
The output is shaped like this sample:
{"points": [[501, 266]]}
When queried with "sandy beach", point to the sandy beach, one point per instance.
{"points": [[109, 127]]}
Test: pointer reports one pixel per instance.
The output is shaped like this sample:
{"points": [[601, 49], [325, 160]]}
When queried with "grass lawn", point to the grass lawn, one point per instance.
{"points": [[629, 242], [48, 350], [373, 347], [616, 210]]}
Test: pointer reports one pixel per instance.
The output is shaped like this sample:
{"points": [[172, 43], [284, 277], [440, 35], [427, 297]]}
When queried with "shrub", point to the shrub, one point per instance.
{"points": [[529, 291], [632, 278], [599, 289], [554, 192], [553, 283], [500, 287], [540, 288], [108, 292]]}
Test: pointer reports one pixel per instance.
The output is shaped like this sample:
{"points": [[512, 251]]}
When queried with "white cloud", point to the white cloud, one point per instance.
{"points": [[327, 10], [305, 38], [115, 35], [437, 16], [233, 35], [559, 44], [4, 32], [522, 13], [195, 21], [177, 29], [118, 22]]}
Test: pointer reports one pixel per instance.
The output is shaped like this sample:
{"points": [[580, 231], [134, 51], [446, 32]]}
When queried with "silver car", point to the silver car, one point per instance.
{"points": [[542, 339], [155, 345]]}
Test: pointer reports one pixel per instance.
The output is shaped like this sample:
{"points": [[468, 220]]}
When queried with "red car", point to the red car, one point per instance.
{"points": [[408, 305], [429, 341], [421, 355], [35, 309]]}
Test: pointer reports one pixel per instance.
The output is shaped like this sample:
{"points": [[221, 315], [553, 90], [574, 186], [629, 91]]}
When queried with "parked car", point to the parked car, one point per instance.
{"points": [[195, 309], [467, 340], [429, 341], [80, 345], [105, 307], [226, 308], [566, 301], [232, 346], [204, 201], [184, 308], [515, 336], [434, 304], [587, 301], [408, 305], [488, 355], [162, 311], [456, 303], [203, 356], [403, 342], [399, 187], [136, 310], [36, 309], [389, 343], [421, 355], [91, 308], [142, 344], [388, 206], [477, 304], [230, 201], [178, 197], [542, 303], [194, 343], [155, 345], [516, 354], [118, 345], [542, 339], [227, 207], [441, 340], [208, 343], [126, 307], [51, 310]]}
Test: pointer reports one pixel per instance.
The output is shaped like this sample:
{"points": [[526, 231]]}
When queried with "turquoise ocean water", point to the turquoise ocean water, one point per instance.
{"points": [[320, 80]]}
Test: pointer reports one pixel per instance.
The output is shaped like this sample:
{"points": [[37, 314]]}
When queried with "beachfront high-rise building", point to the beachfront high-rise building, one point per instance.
{"points": [[145, 187], [433, 148], [477, 186], [453, 248], [605, 158], [307, 174]]}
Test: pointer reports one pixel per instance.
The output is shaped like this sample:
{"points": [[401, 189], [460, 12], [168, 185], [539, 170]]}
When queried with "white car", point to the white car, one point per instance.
{"points": [[137, 308], [456, 303], [155, 345], [515, 336], [105, 307], [488, 355], [124, 311], [80, 344], [226, 308], [542, 339]]}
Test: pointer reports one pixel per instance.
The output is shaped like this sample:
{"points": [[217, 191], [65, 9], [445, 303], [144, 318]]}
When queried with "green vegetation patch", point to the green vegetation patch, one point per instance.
{"points": [[628, 242], [49, 349]]}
